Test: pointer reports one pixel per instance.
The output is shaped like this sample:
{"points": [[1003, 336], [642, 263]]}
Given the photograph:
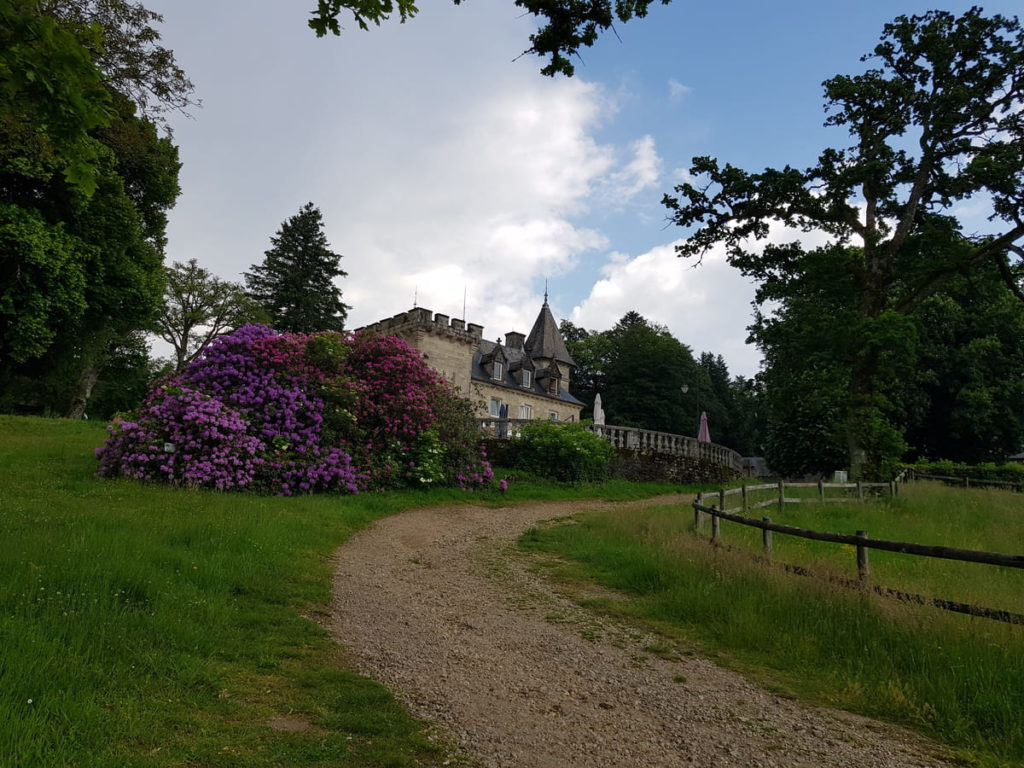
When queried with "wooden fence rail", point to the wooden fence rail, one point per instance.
{"points": [[968, 482], [862, 541]]}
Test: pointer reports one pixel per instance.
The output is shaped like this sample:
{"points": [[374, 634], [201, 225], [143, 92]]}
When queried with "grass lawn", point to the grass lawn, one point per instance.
{"points": [[149, 626], [923, 513], [957, 679]]}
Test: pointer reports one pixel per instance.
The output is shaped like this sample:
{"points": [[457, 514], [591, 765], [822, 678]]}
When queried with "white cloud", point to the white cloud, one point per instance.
{"points": [[706, 306], [486, 209], [677, 91], [640, 173]]}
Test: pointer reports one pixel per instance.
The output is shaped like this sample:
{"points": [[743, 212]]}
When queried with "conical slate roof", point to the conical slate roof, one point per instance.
{"points": [[545, 340]]}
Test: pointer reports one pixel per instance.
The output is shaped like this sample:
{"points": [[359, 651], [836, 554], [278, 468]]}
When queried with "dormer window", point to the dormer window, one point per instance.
{"points": [[498, 371], [527, 378]]}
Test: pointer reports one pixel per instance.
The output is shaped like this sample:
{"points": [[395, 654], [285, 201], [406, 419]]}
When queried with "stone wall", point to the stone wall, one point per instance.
{"points": [[666, 467], [447, 344], [482, 393]]}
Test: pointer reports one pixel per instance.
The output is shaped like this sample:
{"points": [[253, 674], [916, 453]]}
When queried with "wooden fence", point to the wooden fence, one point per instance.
{"points": [[967, 482], [860, 539]]}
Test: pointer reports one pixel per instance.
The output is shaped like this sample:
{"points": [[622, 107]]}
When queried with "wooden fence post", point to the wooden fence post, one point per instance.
{"points": [[863, 569], [745, 500], [782, 495], [892, 489], [860, 491], [721, 500], [821, 489], [715, 527], [698, 515], [766, 537]]}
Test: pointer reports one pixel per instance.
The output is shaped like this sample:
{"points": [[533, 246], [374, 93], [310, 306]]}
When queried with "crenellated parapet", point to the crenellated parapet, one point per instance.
{"points": [[421, 320]]}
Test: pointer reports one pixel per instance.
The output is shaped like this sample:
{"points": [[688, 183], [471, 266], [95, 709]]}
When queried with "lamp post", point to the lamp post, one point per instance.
{"points": [[686, 388]]}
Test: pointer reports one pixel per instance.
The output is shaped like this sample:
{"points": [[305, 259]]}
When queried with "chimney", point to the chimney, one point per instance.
{"points": [[514, 340]]}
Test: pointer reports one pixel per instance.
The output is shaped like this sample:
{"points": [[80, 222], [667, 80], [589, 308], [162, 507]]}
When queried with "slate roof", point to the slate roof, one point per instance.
{"points": [[545, 340], [515, 359]]}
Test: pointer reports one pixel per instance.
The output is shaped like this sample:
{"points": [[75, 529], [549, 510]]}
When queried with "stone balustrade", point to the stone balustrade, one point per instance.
{"points": [[636, 439]]}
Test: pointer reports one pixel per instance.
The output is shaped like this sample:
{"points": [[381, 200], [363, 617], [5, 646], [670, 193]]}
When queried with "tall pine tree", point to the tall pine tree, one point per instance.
{"points": [[295, 283]]}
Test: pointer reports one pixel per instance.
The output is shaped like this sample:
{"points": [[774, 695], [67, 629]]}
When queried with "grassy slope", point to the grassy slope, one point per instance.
{"points": [[148, 626], [954, 678], [924, 513]]}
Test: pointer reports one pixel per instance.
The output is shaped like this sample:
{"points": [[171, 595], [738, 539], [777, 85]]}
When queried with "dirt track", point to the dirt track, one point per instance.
{"points": [[438, 605]]}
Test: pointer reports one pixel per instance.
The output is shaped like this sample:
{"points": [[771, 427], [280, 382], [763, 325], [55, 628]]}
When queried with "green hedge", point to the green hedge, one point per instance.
{"points": [[561, 451], [1004, 473]]}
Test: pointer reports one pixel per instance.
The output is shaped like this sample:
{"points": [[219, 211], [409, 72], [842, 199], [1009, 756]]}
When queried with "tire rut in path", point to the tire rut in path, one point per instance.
{"points": [[436, 604]]}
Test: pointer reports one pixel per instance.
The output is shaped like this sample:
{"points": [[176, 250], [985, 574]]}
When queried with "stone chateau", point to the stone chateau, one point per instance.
{"points": [[527, 377]]}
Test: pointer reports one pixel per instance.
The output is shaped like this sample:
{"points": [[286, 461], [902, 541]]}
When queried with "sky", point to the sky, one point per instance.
{"points": [[451, 175]]}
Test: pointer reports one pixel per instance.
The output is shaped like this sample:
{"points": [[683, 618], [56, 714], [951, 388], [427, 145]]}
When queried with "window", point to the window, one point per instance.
{"points": [[495, 407], [525, 411], [499, 371], [552, 416], [526, 378]]}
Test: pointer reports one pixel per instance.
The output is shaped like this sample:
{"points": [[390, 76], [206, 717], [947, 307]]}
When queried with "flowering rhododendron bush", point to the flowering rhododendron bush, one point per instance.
{"points": [[300, 413]]}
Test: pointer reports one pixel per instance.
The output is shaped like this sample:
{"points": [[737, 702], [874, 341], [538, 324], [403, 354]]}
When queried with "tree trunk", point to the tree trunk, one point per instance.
{"points": [[83, 391]]}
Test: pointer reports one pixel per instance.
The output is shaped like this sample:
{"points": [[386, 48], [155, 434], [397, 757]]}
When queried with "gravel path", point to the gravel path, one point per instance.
{"points": [[438, 605]]}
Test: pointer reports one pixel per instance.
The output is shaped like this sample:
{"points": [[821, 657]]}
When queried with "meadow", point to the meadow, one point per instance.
{"points": [[957, 679], [924, 512], [143, 625]]}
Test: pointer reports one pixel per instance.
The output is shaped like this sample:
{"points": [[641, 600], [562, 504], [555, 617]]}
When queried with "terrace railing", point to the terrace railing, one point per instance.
{"points": [[636, 439]]}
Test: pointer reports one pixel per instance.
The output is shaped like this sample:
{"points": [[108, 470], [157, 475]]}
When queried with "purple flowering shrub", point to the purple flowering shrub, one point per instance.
{"points": [[300, 413]]}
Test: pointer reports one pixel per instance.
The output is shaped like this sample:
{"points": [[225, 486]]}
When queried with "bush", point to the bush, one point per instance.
{"points": [[299, 413], [563, 452], [1005, 473]]}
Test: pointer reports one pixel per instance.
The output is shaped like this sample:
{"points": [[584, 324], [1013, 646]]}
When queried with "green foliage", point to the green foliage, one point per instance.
{"points": [[643, 376], [1003, 473], [639, 369], [295, 282], [563, 451], [125, 379], [198, 307], [51, 88], [85, 185], [44, 288], [134, 65], [569, 24], [936, 123]]}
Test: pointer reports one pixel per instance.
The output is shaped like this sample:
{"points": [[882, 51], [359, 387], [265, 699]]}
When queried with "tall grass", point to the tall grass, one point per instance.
{"points": [[923, 513], [144, 626], [957, 679], [147, 626]]}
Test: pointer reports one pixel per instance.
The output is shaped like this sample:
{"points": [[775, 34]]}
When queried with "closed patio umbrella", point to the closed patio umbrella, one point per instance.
{"points": [[704, 434]]}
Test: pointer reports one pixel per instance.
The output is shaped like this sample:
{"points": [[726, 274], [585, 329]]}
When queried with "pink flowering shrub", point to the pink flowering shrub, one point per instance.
{"points": [[300, 413]]}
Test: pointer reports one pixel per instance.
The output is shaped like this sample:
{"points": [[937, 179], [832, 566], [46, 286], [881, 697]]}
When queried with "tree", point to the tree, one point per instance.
{"points": [[52, 91], [644, 375], [83, 206], [590, 351], [129, 55], [198, 307], [938, 122], [963, 399], [60, 63], [569, 24], [295, 283]]}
